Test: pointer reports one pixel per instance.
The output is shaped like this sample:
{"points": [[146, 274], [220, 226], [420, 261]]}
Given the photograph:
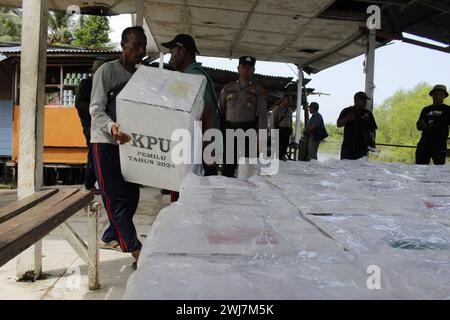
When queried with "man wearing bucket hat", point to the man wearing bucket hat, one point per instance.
{"points": [[433, 122], [359, 128]]}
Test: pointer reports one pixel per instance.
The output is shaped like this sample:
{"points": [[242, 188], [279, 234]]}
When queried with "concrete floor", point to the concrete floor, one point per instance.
{"points": [[66, 273]]}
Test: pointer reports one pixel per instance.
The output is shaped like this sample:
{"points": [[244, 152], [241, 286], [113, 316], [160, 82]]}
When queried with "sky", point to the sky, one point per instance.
{"points": [[397, 66]]}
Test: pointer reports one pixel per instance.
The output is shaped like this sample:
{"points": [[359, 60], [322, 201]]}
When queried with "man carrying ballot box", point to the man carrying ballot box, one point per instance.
{"points": [[120, 198], [183, 51]]}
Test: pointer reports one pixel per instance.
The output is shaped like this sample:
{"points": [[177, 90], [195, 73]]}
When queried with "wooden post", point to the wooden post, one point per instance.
{"points": [[298, 129], [139, 13], [370, 67], [16, 83], [93, 211], [137, 19], [31, 131], [161, 60]]}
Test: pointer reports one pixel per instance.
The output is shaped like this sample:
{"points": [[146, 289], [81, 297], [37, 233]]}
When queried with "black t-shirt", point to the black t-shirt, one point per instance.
{"points": [[357, 134], [84, 100], [438, 118]]}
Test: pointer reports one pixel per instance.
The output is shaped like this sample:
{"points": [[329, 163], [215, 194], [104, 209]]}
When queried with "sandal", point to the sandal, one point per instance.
{"points": [[112, 245]]}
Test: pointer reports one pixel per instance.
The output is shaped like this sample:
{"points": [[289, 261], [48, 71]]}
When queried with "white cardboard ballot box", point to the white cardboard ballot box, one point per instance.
{"points": [[154, 104]]}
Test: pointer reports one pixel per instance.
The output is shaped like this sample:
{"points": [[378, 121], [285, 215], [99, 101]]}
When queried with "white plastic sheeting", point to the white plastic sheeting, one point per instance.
{"points": [[333, 230], [152, 106]]}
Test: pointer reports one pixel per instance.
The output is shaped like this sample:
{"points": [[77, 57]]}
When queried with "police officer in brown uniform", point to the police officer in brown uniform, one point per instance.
{"points": [[243, 106]]}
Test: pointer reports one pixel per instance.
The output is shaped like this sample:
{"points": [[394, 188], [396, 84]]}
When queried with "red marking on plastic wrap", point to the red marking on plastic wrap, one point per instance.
{"points": [[431, 205]]}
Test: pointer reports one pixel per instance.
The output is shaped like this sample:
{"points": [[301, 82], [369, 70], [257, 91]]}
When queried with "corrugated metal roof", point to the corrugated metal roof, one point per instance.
{"points": [[271, 30], [225, 76], [59, 50], [315, 34], [283, 80], [9, 49], [9, 43]]}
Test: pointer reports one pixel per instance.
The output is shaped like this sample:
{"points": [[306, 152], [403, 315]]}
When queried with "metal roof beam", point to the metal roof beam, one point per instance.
{"points": [[354, 37], [389, 36], [415, 21], [385, 2], [153, 45], [437, 5], [238, 36], [344, 15], [187, 18]]}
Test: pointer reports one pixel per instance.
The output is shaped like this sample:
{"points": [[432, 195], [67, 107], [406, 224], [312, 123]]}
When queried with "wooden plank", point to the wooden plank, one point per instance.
{"points": [[29, 215], [17, 207], [20, 237]]}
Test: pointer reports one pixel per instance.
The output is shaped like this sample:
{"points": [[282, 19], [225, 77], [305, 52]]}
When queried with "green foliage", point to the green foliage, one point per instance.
{"points": [[59, 32], [399, 113], [334, 133], [10, 24], [93, 33]]}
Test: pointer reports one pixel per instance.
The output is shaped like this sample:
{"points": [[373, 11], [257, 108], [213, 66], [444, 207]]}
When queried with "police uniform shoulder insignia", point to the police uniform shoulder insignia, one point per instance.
{"points": [[229, 96]]}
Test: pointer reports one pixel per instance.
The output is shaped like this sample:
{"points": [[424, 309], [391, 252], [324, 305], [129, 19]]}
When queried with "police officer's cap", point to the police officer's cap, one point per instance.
{"points": [[247, 60], [182, 40]]}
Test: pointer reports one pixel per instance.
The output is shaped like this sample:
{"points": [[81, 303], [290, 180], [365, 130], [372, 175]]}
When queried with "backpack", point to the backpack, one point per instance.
{"points": [[323, 134], [111, 103]]}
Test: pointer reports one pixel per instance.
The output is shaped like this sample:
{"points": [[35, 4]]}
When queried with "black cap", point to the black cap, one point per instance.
{"points": [[361, 95], [247, 60], [182, 40], [314, 105]]}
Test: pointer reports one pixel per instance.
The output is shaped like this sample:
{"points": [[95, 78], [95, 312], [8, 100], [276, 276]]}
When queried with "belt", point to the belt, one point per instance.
{"points": [[241, 125]]}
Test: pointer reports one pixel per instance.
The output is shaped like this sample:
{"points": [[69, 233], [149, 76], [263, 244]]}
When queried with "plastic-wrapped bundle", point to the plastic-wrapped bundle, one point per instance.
{"points": [[313, 231]]}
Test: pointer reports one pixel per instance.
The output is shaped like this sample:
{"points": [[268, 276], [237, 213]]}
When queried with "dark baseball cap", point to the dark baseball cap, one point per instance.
{"points": [[314, 105], [361, 95], [247, 60], [182, 40]]}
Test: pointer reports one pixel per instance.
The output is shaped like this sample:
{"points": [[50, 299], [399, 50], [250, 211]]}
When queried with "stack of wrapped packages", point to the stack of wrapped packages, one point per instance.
{"points": [[319, 230]]}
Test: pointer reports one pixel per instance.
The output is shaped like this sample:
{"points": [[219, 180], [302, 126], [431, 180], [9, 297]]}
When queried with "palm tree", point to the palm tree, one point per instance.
{"points": [[10, 24], [58, 29]]}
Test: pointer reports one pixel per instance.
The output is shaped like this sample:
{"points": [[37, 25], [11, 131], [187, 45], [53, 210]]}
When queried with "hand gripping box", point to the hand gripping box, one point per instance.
{"points": [[155, 104]]}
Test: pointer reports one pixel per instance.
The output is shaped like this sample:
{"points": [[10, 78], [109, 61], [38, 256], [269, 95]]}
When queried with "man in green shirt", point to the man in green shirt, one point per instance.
{"points": [[183, 51]]}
